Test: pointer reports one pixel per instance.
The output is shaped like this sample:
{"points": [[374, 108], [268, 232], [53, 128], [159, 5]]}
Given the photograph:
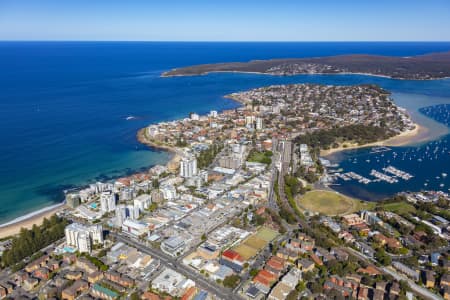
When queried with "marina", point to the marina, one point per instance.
{"points": [[380, 149], [398, 173], [359, 178], [395, 174], [379, 172], [383, 177]]}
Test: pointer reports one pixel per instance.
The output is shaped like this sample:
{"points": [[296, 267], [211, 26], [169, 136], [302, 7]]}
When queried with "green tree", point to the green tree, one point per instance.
{"points": [[155, 183], [134, 296], [300, 287], [231, 281], [293, 295], [382, 257], [253, 272], [30, 241]]}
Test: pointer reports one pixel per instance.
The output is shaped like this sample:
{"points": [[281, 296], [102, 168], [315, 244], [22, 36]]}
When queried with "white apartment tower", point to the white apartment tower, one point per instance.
{"points": [[121, 214], [142, 203], [83, 237], [107, 201], [133, 212], [249, 121], [84, 243], [259, 123], [188, 167], [213, 114], [194, 117]]}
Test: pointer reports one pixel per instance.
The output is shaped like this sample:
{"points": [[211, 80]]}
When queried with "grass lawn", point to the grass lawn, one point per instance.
{"points": [[399, 207], [256, 156], [266, 234], [261, 157], [253, 244], [245, 251], [331, 203]]}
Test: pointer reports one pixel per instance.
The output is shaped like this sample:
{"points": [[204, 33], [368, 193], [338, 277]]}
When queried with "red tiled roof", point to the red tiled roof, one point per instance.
{"points": [[370, 270], [261, 280], [275, 263], [189, 294], [230, 254], [267, 275], [260, 210], [150, 296], [316, 259]]}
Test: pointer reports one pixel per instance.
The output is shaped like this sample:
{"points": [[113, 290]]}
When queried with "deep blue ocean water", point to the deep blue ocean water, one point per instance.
{"points": [[63, 105]]}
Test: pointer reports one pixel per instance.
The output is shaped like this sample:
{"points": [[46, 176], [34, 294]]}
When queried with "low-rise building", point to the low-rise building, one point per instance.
{"points": [[171, 282], [305, 265], [173, 246], [233, 260], [75, 289], [102, 292], [406, 270], [134, 227]]}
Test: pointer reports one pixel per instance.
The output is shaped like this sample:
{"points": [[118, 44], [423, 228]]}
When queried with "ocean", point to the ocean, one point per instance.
{"points": [[64, 105]]}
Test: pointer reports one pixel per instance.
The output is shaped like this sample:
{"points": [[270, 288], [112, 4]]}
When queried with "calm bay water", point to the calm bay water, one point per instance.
{"points": [[63, 106]]}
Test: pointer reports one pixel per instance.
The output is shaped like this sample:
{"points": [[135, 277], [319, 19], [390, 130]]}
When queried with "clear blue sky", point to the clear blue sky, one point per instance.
{"points": [[227, 20]]}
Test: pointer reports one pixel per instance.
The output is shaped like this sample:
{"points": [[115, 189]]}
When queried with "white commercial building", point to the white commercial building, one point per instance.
{"points": [[172, 282], [173, 246], [135, 228], [83, 237]]}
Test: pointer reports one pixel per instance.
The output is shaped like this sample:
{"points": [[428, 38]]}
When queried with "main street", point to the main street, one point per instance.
{"points": [[171, 262]]}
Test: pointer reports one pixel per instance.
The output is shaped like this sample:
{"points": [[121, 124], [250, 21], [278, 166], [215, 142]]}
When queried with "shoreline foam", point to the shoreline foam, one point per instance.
{"points": [[27, 221]]}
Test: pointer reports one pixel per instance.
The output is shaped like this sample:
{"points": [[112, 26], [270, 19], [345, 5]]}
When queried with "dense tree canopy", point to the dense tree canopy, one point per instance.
{"points": [[326, 138], [31, 241], [206, 157]]}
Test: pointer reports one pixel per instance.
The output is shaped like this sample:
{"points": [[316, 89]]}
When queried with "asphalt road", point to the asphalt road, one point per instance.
{"points": [[172, 263]]}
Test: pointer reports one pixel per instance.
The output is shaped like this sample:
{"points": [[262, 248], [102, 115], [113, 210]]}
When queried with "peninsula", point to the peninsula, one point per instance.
{"points": [[232, 216], [422, 67]]}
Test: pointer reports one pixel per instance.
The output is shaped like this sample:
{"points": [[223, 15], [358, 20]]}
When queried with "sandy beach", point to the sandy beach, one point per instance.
{"points": [[14, 228], [416, 135]]}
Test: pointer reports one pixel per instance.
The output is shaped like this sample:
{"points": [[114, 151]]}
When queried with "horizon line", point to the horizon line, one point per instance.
{"points": [[231, 41]]}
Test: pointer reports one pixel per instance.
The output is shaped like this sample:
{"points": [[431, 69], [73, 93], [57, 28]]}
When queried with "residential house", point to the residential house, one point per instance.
{"points": [[305, 265], [72, 292], [429, 279], [101, 292]]}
